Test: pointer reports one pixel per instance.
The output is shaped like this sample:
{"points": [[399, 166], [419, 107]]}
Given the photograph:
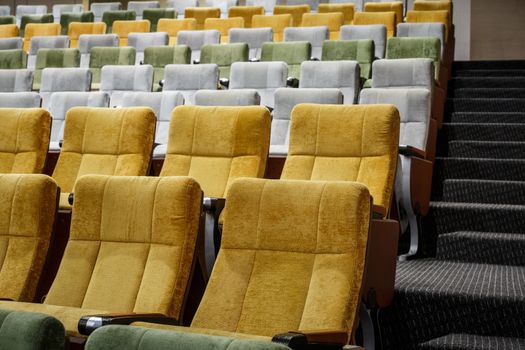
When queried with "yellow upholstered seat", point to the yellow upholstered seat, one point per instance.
{"points": [[39, 29], [223, 25], [174, 26], [24, 139], [27, 213], [106, 141], [277, 22], [131, 249], [216, 145], [347, 9], [345, 143], [123, 28], [246, 12], [446, 5], [394, 6], [388, 19], [8, 31], [76, 29], [333, 21], [201, 13], [441, 16], [296, 11]]}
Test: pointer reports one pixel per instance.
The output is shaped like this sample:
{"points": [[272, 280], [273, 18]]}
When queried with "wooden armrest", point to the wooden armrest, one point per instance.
{"points": [[327, 336], [378, 211], [412, 151], [323, 339], [88, 324]]}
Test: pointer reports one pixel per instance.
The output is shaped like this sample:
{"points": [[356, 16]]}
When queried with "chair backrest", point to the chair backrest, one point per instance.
{"points": [[254, 37], [153, 15], [423, 30], [255, 239], [388, 19], [342, 75], [174, 26], [376, 32], [45, 42], [293, 53], [314, 4], [133, 250], [431, 17], [387, 6], [246, 12], [8, 31], [189, 78], [6, 19], [77, 29], [109, 17], [23, 150], [63, 79], [314, 35], [13, 59], [415, 48], [332, 20], [67, 18], [201, 13], [196, 39], [5, 10], [223, 25], [277, 22], [224, 55], [434, 6], [124, 28], [23, 99], [117, 80], [105, 56], [16, 80], [361, 51], [39, 29], [11, 43], [264, 77], [223, 5], [87, 41], [22, 10], [347, 9], [296, 11], [34, 19], [216, 145], [140, 6], [345, 143], [59, 9], [245, 97], [142, 40], [98, 9], [267, 4], [180, 5], [403, 73], [160, 56], [25, 236], [54, 58]]}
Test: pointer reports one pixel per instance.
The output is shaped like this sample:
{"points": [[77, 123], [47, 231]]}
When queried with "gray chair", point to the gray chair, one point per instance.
{"points": [[285, 101], [224, 5], [359, 4], [87, 41], [180, 5], [403, 73], [254, 37], [312, 3], [264, 77], [23, 10], [342, 75], [117, 80], [376, 32], [142, 40], [16, 80], [19, 100], [61, 102], [163, 104], [45, 42], [423, 30], [98, 9], [63, 8], [63, 79], [188, 79], [5, 10], [140, 6], [11, 43], [245, 97], [267, 4], [314, 35], [196, 39]]}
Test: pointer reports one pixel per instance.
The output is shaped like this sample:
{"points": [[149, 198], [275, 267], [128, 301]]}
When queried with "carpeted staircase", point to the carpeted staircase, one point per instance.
{"points": [[469, 293]]}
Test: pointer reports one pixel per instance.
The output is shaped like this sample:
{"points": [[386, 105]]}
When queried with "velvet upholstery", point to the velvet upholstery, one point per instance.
{"points": [[54, 58], [254, 37], [19, 100], [174, 26], [104, 56], [180, 5], [117, 80], [98, 9], [388, 19], [314, 35], [153, 15], [332, 20], [347, 9], [361, 51], [24, 140], [376, 32], [223, 5], [188, 79], [216, 145], [60, 9], [45, 42], [13, 59], [7, 19], [140, 6], [130, 249], [393, 6], [223, 55], [423, 30], [223, 25], [292, 53], [39, 29], [403, 73], [94, 144], [267, 4], [201, 13], [434, 6], [87, 41], [67, 18], [160, 56], [5, 10], [109, 17], [142, 40], [196, 39], [277, 22], [415, 48], [11, 43], [296, 11], [246, 12], [431, 17], [123, 28], [36, 19], [244, 97], [8, 30], [345, 143], [77, 29], [15, 80], [314, 4], [63, 79], [23, 10]]}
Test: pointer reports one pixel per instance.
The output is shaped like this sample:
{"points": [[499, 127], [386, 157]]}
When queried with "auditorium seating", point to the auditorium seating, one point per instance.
{"points": [[123, 28], [8, 31], [174, 26], [267, 4], [153, 15], [89, 41], [24, 149], [430, 17], [109, 17], [63, 79], [13, 59], [39, 29], [314, 4], [67, 18], [238, 97], [180, 5], [160, 56], [7, 19], [98, 9], [393, 6], [117, 80], [292, 53], [223, 5], [142, 40], [19, 100], [54, 58], [196, 39], [346, 8], [16, 80], [296, 11], [376, 32], [11, 43], [23, 10], [140, 6], [254, 37], [388, 19], [277, 22], [5, 10], [45, 42], [223, 25], [104, 56], [35, 19], [58, 10], [246, 13], [189, 78], [201, 13], [351, 50], [224, 55], [314, 35], [423, 30], [333, 21], [77, 29]]}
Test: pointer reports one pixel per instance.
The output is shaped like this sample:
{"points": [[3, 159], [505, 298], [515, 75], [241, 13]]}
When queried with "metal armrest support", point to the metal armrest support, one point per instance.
{"points": [[224, 82], [212, 233], [292, 82], [329, 339], [88, 324]]}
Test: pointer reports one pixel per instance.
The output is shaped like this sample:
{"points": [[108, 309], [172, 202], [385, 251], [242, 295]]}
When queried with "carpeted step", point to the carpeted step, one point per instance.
{"points": [[487, 93], [437, 297], [482, 247], [483, 191], [483, 65], [487, 149], [464, 341], [483, 132], [484, 105], [490, 73], [486, 82], [478, 168], [486, 117]]}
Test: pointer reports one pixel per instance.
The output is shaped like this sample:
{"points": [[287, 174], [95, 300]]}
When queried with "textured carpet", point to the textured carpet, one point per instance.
{"points": [[486, 117], [473, 342]]}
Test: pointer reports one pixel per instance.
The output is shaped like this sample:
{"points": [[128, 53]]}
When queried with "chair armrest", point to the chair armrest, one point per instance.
{"points": [[410, 151], [329, 339], [196, 61], [89, 323], [292, 82], [378, 211], [161, 83], [314, 59], [420, 184], [224, 82], [71, 198], [212, 231], [253, 59]]}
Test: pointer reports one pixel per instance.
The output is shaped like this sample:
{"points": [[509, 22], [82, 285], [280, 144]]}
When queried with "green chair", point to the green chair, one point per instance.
{"points": [[293, 53], [224, 55], [111, 16], [13, 59], [154, 14], [69, 17], [54, 58], [415, 48], [102, 56], [7, 20], [26, 19], [362, 51], [160, 56]]}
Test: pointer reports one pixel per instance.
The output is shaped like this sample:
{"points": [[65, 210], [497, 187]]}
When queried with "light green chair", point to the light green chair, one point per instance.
{"points": [[160, 56], [54, 58], [224, 55], [102, 56], [69, 17], [13, 59], [154, 14], [111, 16], [7, 20], [362, 51], [26, 19], [415, 48], [293, 53]]}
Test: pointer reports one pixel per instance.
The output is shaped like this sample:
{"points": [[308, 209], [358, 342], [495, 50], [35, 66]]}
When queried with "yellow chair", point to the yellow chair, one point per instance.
{"points": [[130, 249], [76, 29], [39, 29], [174, 26], [441, 16], [223, 25], [27, 214], [246, 12], [8, 31], [435, 6], [201, 13], [347, 9], [123, 28], [297, 12], [24, 139], [277, 22], [333, 21], [388, 19], [394, 6], [94, 143]]}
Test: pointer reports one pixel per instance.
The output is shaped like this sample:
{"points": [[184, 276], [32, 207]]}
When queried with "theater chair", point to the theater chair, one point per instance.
{"points": [[131, 250], [42, 30], [153, 15], [61, 80], [140, 41], [224, 5], [11, 43], [8, 31], [16, 80], [223, 55], [13, 59], [333, 21], [174, 26], [59, 10], [88, 41], [277, 22], [45, 42], [245, 97], [39, 29], [140, 6], [196, 39], [201, 13], [124, 28], [189, 78], [314, 4], [267, 4], [223, 25], [292, 53], [19, 99], [98, 9], [296, 11], [376, 32], [109, 17], [246, 13], [254, 37], [54, 58], [316, 36], [346, 8], [160, 56], [361, 51], [180, 5], [383, 6], [24, 149], [106, 56], [388, 19], [23, 10], [67, 18]]}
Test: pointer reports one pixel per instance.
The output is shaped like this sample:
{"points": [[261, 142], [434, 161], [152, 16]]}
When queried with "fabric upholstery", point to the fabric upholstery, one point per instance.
{"points": [[22, 10], [264, 77], [434, 6], [314, 4], [130, 248], [6, 18], [314, 35], [40, 29], [277, 22], [174, 26], [393, 6], [54, 58], [189, 78], [223, 5], [24, 140], [13, 59], [293, 53], [332, 20], [36, 19], [94, 144], [347, 9], [223, 25], [215, 145], [160, 56], [59, 9], [77, 29], [403, 73], [353, 50], [153, 15], [246, 13], [376, 32], [415, 48], [196, 39], [123, 28], [117, 80], [224, 55], [180, 5], [67, 18], [430, 17], [15, 80], [142, 40], [388, 19], [296, 11], [98, 9], [267, 4], [423, 30], [201, 13], [140, 6], [343, 75], [285, 101], [63, 79], [244, 97], [19, 100], [5, 10], [254, 37], [8, 30], [11, 43], [103, 56], [87, 41], [345, 143], [109, 17], [45, 42]]}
